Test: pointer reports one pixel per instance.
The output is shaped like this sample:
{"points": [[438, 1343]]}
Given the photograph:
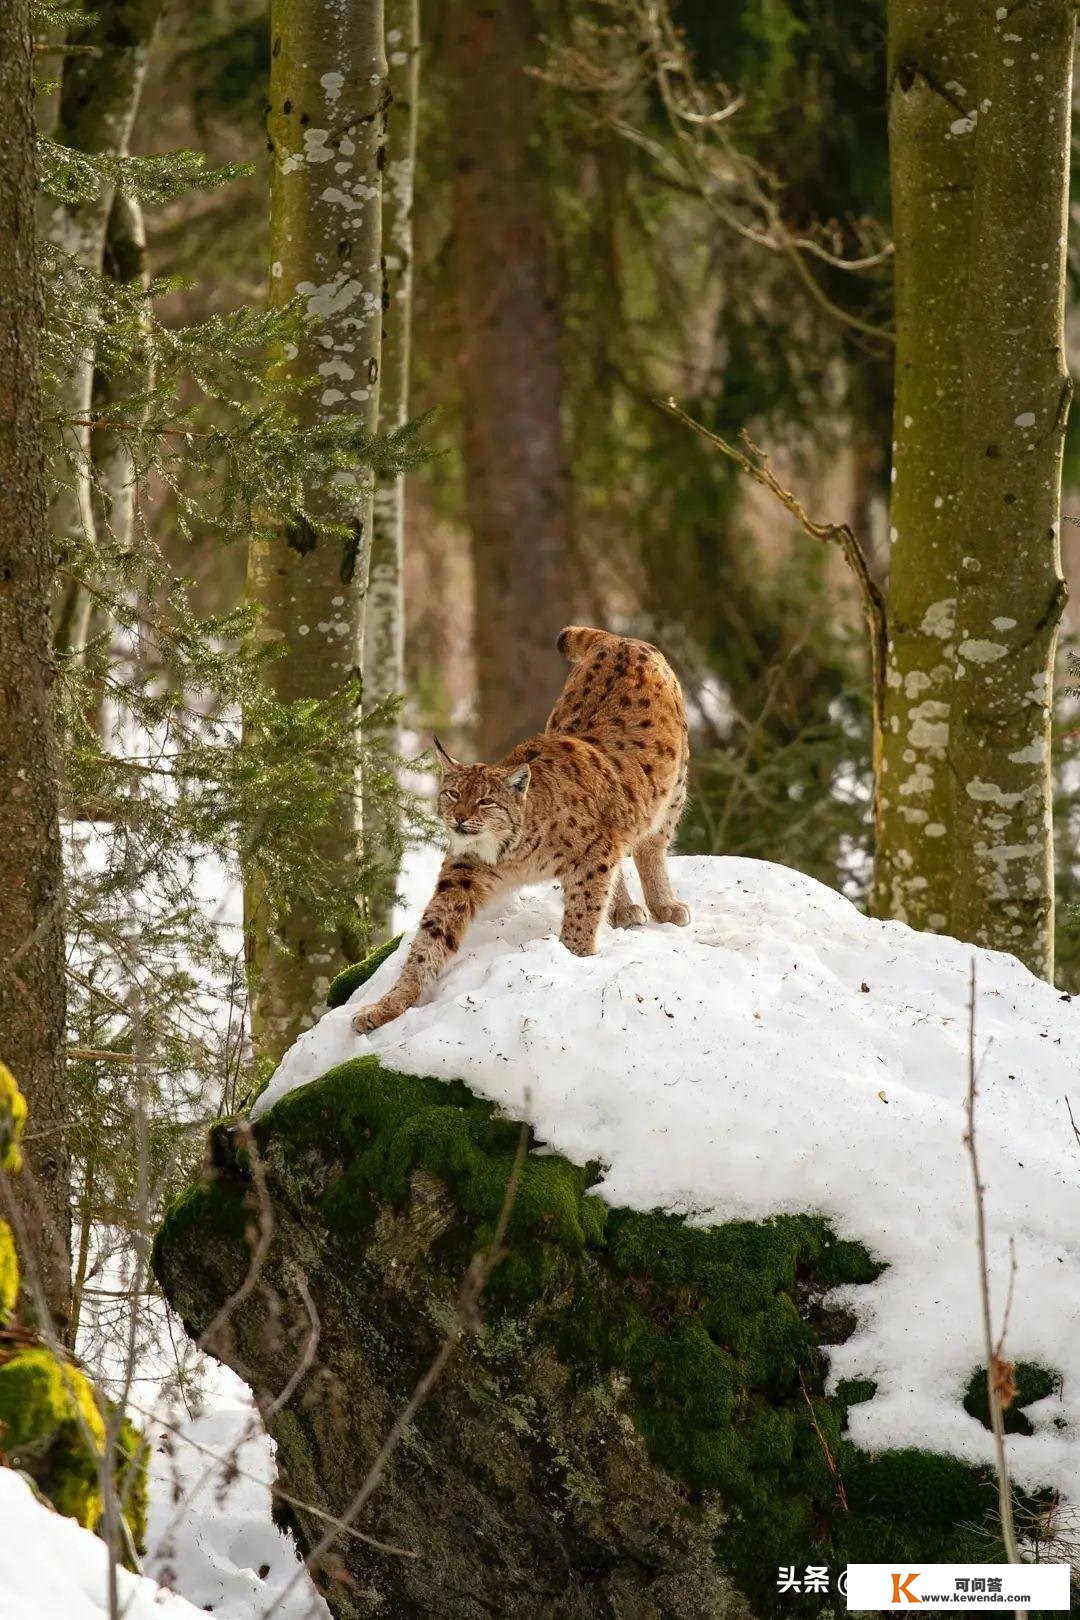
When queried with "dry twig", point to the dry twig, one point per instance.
{"points": [[754, 462], [1000, 1379]]}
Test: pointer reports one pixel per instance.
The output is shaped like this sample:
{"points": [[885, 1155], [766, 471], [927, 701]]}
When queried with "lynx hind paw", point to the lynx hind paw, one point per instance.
{"points": [[675, 913], [628, 916]]}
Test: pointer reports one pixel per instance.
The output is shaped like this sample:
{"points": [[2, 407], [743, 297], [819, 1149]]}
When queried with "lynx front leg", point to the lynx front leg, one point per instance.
{"points": [[586, 895], [463, 888]]}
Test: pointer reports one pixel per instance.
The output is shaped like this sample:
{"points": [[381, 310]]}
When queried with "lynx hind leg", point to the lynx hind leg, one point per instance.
{"points": [[586, 897], [650, 858], [623, 913]]}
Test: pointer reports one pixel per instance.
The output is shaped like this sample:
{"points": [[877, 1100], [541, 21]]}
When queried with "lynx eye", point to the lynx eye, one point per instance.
{"points": [[485, 804], [448, 793]]}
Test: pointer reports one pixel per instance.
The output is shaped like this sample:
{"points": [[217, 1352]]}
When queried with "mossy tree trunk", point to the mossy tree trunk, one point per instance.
{"points": [[327, 129], [979, 110], [99, 98], [31, 884], [517, 473], [384, 632]]}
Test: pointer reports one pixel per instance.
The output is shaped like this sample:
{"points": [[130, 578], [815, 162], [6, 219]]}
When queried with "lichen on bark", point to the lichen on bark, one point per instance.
{"points": [[326, 126], [979, 112], [384, 631]]}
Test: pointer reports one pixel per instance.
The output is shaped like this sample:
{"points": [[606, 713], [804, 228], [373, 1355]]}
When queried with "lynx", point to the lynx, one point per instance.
{"points": [[606, 779]]}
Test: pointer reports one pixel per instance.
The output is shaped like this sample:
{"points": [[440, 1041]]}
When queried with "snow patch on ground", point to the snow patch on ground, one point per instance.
{"points": [[210, 1533], [786, 1053], [53, 1569]]}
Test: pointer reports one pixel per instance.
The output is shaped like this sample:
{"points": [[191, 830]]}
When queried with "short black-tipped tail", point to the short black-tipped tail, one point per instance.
{"points": [[577, 639]]}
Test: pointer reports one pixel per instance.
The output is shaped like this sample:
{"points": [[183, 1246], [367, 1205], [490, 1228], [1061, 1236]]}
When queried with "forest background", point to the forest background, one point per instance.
{"points": [[566, 217]]}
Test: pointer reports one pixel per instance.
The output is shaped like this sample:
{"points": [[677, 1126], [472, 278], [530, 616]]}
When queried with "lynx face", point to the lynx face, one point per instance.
{"points": [[483, 808]]}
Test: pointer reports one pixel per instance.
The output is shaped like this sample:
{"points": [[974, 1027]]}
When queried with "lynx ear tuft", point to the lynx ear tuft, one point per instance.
{"points": [[518, 779], [448, 761]]}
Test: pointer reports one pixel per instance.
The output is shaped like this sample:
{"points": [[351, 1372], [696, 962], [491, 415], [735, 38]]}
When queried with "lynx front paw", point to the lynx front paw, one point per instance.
{"points": [[675, 913], [375, 1015]]}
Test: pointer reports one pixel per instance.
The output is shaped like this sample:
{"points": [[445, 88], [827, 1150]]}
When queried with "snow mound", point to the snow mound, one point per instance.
{"points": [[787, 1054], [53, 1569]]}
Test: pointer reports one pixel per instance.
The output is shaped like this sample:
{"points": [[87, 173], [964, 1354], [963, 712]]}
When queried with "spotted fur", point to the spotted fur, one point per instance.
{"points": [[606, 779]]}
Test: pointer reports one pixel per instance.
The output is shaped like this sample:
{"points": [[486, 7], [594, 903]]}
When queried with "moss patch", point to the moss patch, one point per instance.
{"points": [[717, 1333], [12, 1115], [358, 973], [1033, 1383], [50, 1423], [9, 1274], [47, 1411]]}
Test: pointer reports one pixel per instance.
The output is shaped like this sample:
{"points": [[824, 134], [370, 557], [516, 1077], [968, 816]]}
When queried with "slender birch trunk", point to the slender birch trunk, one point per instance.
{"points": [[384, 634], [327, 128], [31, 883], [99, 98], [517, 471], [125, 263], [979, 109]]}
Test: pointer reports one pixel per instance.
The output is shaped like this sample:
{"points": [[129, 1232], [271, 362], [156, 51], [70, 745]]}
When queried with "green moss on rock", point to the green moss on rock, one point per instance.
{"points": [[358, 973], [50, 1423], [1033, 1383], [49, 1420], [710, 1338], [9, 1274]]}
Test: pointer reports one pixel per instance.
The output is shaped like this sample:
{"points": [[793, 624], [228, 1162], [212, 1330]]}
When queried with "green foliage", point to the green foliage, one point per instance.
{"points": [[351, 978], [176, 748], [717, 1331], [71, 176]]}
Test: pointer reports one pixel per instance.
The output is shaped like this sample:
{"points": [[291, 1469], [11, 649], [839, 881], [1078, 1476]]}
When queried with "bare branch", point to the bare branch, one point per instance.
{"points": [[756, 464], [996, 1367]]}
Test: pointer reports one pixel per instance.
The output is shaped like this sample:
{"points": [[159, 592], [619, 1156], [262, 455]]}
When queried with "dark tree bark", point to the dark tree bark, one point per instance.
{"points": [[516, 465], [31, 887]]}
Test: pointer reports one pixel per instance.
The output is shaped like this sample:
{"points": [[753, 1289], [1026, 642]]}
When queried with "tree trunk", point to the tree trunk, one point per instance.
{"points": [[384, 632], [516, 466], [99, 98], [327, 128], [31, 885], [979, 108]]}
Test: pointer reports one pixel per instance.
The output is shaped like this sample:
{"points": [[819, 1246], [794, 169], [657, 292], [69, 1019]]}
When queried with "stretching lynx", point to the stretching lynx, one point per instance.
{"points": [[606, 779]]}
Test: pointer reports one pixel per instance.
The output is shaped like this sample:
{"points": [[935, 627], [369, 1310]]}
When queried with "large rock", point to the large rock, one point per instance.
{"points": [[637, 1428]]}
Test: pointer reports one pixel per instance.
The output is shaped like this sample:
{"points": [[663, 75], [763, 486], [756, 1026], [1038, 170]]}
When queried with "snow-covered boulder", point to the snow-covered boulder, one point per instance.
{"points": [[748, 1215]]}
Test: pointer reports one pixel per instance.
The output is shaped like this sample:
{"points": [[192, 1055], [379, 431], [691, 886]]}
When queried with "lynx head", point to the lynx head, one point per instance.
{"points": [[482, 806]]}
